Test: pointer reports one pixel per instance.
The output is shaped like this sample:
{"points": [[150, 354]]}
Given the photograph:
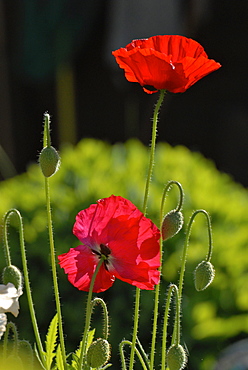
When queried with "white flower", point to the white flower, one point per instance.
{"points": [[3, 323], [9, 298]]}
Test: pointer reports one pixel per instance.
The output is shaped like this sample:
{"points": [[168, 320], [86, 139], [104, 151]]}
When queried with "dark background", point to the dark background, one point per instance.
{"points": [[56, 57]]}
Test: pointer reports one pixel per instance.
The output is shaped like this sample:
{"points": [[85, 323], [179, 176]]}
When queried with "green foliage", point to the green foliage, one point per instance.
{"points": [[94, 170], [51, 341]]}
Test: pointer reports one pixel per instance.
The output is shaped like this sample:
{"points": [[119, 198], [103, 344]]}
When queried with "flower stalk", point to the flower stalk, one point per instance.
{"points": [[157, 289], [26, 275], [146, 195], [47, 142], [89, 312], [185, 249]]}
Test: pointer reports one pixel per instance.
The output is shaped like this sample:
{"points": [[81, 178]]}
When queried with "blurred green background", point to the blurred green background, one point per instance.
{"points": [[93, 169]]}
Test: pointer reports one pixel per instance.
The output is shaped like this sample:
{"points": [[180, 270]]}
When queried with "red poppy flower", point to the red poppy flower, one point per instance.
{"points": [[129, 241], [173, 63]]}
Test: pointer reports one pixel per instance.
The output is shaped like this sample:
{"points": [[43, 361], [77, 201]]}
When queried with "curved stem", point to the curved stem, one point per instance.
{"points": [[210, 247], [121, 345], [89, 311], [147, 187], [54, 272], [26, 280], [10, 326], [185, 249], [180, 201], [100, 301]]}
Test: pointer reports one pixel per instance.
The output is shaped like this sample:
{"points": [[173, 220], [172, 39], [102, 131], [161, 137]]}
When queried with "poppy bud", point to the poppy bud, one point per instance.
{"points": [[49, 161], [204, 275], [98, 353], [172, 224], [11, 274], [176, 357]]}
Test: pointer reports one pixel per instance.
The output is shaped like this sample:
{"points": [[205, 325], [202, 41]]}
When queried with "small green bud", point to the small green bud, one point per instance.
{"points": [[11, 274], [49, 161], [176, 357], [203, 275], [172, 224], [98, 353]]}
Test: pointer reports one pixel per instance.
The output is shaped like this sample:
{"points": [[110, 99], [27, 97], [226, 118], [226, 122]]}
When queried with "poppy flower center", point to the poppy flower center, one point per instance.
{"points": [[103, 253]]}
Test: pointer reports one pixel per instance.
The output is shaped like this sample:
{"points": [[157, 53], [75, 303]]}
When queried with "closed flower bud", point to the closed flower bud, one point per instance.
{"points": [[11, 274], [176, 357], [172, 224], [98, 353], [49, 161], [204, 275]]}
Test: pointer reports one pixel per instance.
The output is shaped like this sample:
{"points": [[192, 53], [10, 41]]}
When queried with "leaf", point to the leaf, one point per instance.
{"points": [[51, 339], [59, 359], [90, 337], [76, 356], [38, 356]]}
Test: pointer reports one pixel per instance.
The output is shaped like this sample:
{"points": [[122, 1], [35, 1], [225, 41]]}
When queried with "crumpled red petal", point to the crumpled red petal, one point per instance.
{"points": [[169, 62], [133, 241]]}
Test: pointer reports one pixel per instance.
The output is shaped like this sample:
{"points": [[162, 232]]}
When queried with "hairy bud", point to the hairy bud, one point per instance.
{"points": [[98, 353], [203, 275], [172, 224], [49, 161], [176, 357], [11, 274]]}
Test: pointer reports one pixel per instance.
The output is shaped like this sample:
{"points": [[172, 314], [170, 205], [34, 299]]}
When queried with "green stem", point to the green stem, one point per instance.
{"points": [[89, 311], [46, 135], [121, 345], [10, 326], [180, 201], [186, 244], [147, 187], [54, 272], [185, 249], [26, 280], [153, 145], [100, 301], [157, 289], [5, 238], [165, 325]]}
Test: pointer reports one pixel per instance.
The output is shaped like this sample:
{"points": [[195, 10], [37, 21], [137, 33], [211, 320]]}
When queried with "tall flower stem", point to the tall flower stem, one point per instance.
{"points": [[147, 187], [165, 325], [157, 289], [89, 311], [54, 271], [26, 276]]}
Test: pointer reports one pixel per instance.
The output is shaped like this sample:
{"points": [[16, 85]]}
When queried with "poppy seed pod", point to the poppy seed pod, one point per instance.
{"points": [[11, 274], [203, 275], [49, 161], [98, 353], [176, 357], [172, 224]]}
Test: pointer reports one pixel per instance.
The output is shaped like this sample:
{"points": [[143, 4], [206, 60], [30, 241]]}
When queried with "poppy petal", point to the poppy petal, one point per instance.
{"points": [[169, 62], [129, 241], [80, 263]]}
